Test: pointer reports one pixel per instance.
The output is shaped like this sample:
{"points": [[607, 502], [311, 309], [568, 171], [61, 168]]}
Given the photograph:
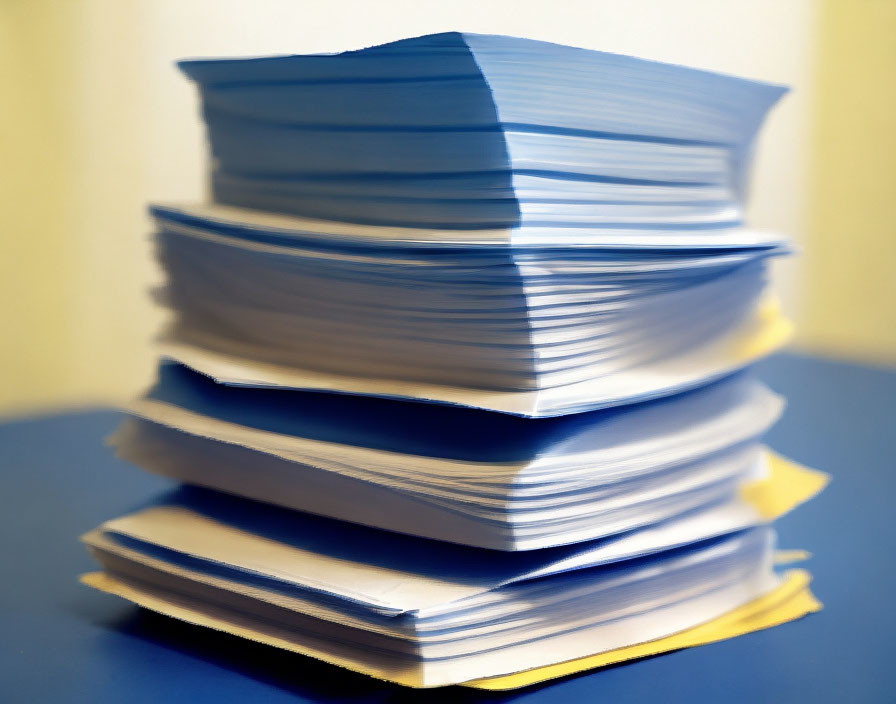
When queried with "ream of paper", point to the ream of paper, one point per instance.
{"points": [[378, 136], [789, 601], [396, 574], [390, 588], [767, 331], [457, 475]]}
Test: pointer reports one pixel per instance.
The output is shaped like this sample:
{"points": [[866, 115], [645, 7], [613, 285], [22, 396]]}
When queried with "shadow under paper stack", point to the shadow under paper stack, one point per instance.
{"points": [[457, 375]]}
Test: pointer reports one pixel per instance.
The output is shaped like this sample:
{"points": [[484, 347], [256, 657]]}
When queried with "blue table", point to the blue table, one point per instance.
{"points": [[63, 642]]}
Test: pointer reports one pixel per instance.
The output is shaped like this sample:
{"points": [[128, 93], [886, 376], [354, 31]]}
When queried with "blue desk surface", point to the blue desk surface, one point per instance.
{"points": [[63, 642]]}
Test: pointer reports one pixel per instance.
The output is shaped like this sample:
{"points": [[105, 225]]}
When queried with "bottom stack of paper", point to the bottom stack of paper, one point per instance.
{"points": [[428, 613]]}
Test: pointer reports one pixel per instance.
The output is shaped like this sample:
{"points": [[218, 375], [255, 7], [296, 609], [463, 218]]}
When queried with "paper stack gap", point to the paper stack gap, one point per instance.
{"points": [[457, 380]]}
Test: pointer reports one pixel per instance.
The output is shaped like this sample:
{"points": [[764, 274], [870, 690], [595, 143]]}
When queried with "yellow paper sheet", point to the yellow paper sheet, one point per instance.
{"points": [[787, 485], [773, 331]]}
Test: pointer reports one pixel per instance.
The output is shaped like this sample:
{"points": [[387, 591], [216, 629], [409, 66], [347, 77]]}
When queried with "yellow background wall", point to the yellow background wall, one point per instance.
{"points": [[36, 277], [97, 122], [74, 258], [850, 254]]}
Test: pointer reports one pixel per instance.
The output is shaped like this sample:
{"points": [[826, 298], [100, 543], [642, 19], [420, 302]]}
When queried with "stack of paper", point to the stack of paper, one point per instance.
{"points": [[545, 328], [466, 131], [456, 474], [457, 356]]}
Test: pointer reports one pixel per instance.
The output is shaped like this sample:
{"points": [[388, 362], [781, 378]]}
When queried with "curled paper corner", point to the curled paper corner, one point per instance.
{"points": [[789, 557], [791, 600], [787, 485]]}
